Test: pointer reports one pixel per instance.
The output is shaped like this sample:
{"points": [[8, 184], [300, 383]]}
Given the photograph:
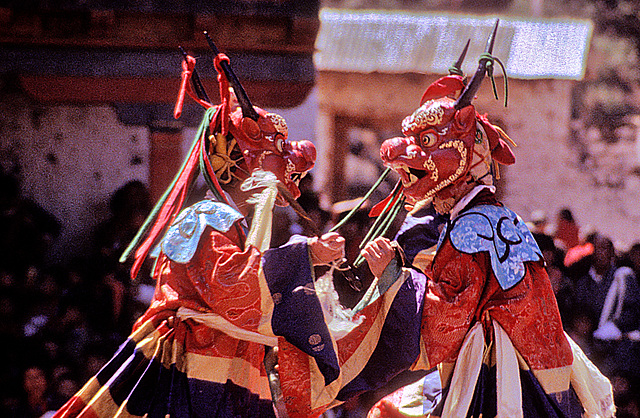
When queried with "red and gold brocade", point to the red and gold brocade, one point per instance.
{"points": [[220, 279], [464, 290]]}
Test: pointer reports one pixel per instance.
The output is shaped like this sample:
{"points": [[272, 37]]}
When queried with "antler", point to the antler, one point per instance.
{"points": [[470, 91], [243, 99]]}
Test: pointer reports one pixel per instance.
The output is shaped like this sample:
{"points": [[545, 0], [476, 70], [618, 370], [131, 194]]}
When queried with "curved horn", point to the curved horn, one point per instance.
{"points": [[456, 69], [470, 91], [243, 99]]}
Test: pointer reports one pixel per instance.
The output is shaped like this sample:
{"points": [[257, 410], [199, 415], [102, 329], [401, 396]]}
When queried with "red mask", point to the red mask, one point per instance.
{"points": [[264, 145], [436, 149], [445, 140], [443, 145]]}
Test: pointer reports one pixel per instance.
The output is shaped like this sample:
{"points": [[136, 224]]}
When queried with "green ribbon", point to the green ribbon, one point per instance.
{"points": [[490, 66]]}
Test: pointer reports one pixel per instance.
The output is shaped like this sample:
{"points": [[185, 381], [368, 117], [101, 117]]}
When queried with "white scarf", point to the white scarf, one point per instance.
{"points": [[613, 302]]}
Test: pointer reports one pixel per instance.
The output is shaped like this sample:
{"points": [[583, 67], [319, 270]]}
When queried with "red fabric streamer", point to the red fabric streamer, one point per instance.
{"points": [[169, 209], [188, 66], [223, 82], [180, 188], [377, 209]]}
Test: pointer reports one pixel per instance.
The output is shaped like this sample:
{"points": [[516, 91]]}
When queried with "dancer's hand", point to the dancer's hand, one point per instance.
{"points": [[378, 254], [326, 248]]}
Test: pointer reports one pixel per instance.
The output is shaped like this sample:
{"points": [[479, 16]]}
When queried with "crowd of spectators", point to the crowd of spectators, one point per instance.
{"points": [[598, 291], [61, 323]]}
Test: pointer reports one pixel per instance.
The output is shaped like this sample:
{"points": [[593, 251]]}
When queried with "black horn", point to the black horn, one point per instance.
{"points": [[456, 69], [245, 104], [195, 81], [470, 91]]}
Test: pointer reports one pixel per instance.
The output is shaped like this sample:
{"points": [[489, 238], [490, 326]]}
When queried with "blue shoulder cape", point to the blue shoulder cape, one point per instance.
{"points": [[499, 231], [182, 238]]}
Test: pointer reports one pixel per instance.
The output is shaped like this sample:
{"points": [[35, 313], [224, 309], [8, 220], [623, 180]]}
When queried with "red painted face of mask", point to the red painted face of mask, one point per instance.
{"points": [[447, 146], [444, 145], [436, 149], [264, 144]]}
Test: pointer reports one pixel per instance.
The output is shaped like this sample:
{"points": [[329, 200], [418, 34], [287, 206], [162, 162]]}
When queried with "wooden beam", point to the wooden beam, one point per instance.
{"points": [[134, 29], [339, 150], [93, 90], [165, 158]]}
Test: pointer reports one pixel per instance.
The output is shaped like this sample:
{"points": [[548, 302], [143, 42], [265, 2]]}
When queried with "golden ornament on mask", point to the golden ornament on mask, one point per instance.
{"points": [[429, 114], [279, 123], [459, 146], [220, 144], [431, 166], [291, 168], [217, 162], [219, 157]]}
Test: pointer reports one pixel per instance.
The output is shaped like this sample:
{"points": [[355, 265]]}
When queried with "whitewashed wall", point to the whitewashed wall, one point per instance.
{"points": [[603, 195], [72, 158]]}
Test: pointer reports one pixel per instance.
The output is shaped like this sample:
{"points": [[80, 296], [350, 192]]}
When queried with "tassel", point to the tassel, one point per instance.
{"points": [[169, 210], [223, 83], [188, 65], [188, 70]]}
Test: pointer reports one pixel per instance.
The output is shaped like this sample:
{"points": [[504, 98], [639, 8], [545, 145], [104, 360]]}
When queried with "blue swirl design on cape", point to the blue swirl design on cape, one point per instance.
{"points": [[502, 233], [181, 240]]}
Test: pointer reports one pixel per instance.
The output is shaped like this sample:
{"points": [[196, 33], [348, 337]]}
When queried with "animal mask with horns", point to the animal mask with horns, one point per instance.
{"points": [[447, 146]]}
